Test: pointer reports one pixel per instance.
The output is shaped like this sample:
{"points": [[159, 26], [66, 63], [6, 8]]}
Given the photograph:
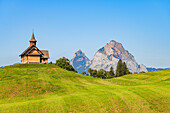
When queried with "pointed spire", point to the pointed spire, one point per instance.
{"points": [[33, 41], [33, 38]]}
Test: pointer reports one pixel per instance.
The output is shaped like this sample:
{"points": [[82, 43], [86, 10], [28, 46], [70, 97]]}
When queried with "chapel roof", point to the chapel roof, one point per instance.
{"points": [[46, 53], [29, 49]]}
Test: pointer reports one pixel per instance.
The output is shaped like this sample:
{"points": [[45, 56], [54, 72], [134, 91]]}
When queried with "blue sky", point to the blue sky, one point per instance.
{"points": [[64, 26]]}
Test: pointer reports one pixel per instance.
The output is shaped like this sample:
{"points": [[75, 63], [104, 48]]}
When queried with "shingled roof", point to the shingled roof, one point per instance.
{"points": [[46, 54], [27, 51]]}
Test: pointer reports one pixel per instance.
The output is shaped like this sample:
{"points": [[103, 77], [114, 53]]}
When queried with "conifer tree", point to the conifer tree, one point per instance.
{"points": [[111, 72], [124, 68], [119, 68]]}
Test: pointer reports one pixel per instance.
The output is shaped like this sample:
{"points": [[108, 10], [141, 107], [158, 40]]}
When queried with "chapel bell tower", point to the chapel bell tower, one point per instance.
{"points": [[33, 41]]}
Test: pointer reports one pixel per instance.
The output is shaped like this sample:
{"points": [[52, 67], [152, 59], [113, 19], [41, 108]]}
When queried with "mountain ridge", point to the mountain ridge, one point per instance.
{"points": [[151, 69], [108, 56]]}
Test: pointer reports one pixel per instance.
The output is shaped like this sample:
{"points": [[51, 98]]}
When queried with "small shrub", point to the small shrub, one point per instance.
{"points": [[84, 73], [142, 72], [50, 62]]}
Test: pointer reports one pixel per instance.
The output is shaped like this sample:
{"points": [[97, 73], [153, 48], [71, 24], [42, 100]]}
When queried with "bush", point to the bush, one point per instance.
{"points": [[84, 73], [65, 64], [50, 62], [102, 74], [142, 72]]}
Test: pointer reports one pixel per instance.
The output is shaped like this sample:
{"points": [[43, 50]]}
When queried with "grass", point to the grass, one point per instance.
{"points": [[47, 88]]}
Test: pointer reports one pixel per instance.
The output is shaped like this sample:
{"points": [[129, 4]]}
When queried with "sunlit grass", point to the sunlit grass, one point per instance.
{"points": [[47, 88]]}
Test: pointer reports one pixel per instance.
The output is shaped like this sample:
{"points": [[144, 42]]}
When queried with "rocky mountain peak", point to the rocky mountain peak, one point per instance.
{"points": [[106, 57], [110, 54], [80, 61], [79, 53], [112, 46], [113, 43]]}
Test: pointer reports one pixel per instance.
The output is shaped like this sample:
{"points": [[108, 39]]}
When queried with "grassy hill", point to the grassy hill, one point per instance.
{"points": [[47, 88]]}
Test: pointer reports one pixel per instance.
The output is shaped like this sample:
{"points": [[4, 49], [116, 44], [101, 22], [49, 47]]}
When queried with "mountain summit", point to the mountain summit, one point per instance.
{"points": [[106, 57], [80, 61], [110, 54]]}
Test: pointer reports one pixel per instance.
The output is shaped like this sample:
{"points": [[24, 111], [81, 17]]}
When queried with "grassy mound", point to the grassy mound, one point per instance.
{"points": [[47, 88]]}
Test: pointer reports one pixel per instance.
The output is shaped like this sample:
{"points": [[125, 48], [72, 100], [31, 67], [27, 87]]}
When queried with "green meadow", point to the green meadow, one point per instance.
{"points": [[46, 88]]}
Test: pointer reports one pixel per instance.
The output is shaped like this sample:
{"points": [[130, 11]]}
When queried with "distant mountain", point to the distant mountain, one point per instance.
{"points": [[9, 65], [106, 57], [80, 62], [150, 69], [16, 63], [109, 55]]}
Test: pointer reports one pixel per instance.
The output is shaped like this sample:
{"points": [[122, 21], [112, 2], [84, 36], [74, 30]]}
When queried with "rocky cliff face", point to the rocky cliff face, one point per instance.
{"points": [[80, 62], [105, 58], [142, 68], [110, 54]]}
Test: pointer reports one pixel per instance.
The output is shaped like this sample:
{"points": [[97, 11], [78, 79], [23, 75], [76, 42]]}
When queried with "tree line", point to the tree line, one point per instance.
{"points": [[120, 70]]}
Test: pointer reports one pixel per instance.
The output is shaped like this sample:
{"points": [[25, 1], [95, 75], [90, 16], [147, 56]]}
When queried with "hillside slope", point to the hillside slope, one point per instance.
{"points": [[47, 88]]}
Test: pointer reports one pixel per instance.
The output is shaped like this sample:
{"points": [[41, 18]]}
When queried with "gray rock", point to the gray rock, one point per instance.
{"points": [[142, 68], [106, 57], [80, 62], [110, 54]]}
